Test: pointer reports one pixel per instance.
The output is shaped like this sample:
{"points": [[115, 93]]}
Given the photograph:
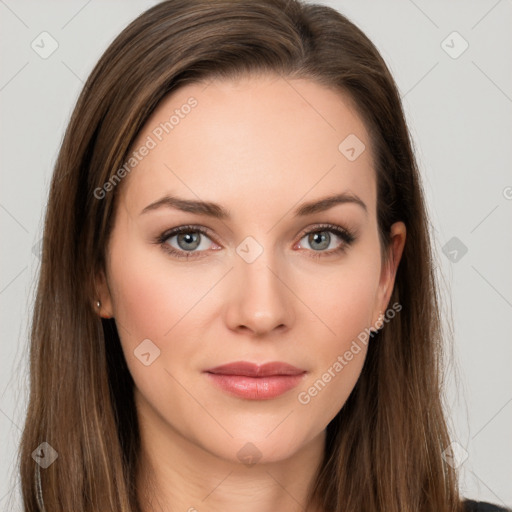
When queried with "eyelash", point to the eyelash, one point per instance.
{"points": [[345, 235]]}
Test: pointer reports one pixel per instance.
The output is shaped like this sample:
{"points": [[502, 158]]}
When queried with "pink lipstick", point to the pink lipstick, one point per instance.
{"points": [[256, 382]]}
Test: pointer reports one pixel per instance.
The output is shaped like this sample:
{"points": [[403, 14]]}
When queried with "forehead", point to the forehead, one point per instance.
{"points": [[262, 139]]}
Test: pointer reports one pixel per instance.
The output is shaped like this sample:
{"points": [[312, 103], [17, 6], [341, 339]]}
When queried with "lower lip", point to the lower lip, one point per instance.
{"points": [[256, 388]]}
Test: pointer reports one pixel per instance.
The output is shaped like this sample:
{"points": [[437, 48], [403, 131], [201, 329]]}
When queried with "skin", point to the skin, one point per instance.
{"points": [[260, 147]]}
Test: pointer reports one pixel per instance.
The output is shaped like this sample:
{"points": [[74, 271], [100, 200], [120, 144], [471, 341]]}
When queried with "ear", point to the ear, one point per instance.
{"points": [[388, 272], [103, 296]]}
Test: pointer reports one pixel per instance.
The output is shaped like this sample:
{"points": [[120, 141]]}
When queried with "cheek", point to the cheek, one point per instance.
{"points": [[153, 300], [162, 301], [153, 295], [345, 304], [344, 298]]}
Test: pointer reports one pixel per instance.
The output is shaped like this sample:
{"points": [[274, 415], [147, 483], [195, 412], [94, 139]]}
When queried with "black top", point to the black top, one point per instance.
{"points": [[482, 506]]}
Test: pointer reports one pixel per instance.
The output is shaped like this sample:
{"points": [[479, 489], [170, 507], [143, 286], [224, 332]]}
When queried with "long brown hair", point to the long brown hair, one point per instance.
{"points": [[384, 449]]}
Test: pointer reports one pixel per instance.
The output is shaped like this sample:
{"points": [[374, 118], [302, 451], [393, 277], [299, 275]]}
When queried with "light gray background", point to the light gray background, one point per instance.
{"points": [[459, 112]]}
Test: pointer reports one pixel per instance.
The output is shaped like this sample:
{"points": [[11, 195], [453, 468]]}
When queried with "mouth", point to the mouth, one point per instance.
{"points": [[256, 382]]}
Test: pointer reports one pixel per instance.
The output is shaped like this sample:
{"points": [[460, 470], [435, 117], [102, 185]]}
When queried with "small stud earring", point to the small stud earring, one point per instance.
{"points": [[98, 304]]}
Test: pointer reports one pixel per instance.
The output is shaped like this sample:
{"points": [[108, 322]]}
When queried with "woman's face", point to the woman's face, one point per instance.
{"points": [[262, 275]]}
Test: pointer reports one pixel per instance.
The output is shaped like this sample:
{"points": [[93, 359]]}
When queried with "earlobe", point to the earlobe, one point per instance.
{"points": [[102, 300]]}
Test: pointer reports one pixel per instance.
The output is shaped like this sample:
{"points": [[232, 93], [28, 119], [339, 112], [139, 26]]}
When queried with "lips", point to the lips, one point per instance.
{"points": [[254, 381], [248, 369]]}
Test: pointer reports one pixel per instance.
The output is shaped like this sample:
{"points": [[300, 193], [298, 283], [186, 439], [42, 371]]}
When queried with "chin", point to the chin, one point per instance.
{"points": [[254, 447]]}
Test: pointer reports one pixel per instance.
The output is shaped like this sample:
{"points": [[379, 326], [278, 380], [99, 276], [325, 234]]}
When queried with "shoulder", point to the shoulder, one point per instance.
{"points": [[481, 506]]}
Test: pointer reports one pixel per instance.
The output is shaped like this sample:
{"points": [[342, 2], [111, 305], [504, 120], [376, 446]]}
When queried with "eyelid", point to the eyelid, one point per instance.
{"points": [[347, 236], [185, 229], [326, 226]]}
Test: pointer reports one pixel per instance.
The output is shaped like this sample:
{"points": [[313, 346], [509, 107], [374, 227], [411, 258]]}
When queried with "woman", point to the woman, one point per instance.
{"points": [[237, 297]]}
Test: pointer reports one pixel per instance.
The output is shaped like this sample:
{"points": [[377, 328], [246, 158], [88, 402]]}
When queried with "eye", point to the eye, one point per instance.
{"points": [[321, 238], [190, 241], [185, 241]]}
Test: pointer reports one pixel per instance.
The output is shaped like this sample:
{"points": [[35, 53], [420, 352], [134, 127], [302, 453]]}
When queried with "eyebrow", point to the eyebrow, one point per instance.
{"points": [[218, 212]]}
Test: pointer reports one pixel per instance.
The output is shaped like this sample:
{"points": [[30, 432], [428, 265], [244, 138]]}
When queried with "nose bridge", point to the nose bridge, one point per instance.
{"points": [[262, 301]]}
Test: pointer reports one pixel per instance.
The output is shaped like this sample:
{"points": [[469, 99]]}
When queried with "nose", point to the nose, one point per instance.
{"points": [[260, 299]]}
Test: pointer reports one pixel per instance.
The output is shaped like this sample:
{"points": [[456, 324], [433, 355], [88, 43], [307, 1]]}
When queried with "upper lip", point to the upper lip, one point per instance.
{"points": [[249, 369]]}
